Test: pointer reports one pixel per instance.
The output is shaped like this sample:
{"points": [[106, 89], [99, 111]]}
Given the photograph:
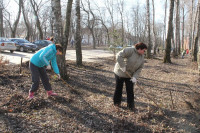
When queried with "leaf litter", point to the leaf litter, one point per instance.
{"points": [[85, 100]]}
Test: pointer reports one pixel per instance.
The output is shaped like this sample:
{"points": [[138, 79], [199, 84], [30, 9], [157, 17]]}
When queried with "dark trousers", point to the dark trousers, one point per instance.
{"points": [[129, 90], [37, 73]]}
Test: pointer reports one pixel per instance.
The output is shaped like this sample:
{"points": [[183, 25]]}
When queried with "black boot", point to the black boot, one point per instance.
{"points": [[131, 107], [117, 104]]}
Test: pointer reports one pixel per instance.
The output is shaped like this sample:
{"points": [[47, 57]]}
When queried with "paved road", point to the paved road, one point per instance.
{"points": [[88, 55]]}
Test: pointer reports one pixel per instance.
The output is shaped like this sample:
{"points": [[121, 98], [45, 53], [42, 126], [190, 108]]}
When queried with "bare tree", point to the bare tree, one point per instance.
{"points": [[194, 27], [90, 21], [58, 32], [183, 26], [66, 36], [154, 30], [14, 27], [191, 25], [110, 7], [1, 19], [78, 35], [164, 27], [148, 30], [167, 58], [57, 21], [101, 18], [137, 22], [67, 24], [197, 35], [120, 6], [177, 50], [35, 7], [26, 21]]}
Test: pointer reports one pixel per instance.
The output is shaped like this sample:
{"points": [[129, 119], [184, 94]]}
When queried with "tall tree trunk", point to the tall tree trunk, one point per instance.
{"points": [[154, 30], [93, 38], [164, 29], [57, 21], [78, 35], [148, 30], [167, 58], [178, 50], [14, 29], [35, 10], [58, 34], [183, 28], [197, 35], [62, 62], [1, 19], [194, 28], [191, 26], [121, 12], [26, 21]]}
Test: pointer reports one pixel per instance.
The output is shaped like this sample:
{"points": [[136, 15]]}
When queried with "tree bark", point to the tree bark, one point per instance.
{"points": [[178, 50], [57, 21], [164, 31], [183, 28], [148, 31], [58, 34], [154, 30], [167, 58], [197, 35], [1, 19], [62, 62], [78, 35], [191, 26], [26, 21]]}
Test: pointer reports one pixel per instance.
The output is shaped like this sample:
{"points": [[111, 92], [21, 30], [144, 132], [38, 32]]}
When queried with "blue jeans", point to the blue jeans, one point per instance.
{"points": [[37, 73], [129, 90]]}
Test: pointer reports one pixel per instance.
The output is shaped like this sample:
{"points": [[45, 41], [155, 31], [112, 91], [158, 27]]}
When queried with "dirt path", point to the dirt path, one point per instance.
{"points": [[88, 55], [85, 101]]}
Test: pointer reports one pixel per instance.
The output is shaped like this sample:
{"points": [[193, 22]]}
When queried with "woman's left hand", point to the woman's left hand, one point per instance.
{"points": [[133, 79], [58, 76]]}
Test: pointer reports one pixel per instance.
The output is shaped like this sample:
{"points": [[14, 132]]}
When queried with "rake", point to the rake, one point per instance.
{"points": [[142, 89]]}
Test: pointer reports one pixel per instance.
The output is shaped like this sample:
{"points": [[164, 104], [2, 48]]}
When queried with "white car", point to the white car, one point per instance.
{"points": [[6, 44]]}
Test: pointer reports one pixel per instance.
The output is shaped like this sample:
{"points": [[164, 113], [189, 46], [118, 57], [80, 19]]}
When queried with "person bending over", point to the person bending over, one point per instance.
{"points": [[129, 61], [38, 63]]}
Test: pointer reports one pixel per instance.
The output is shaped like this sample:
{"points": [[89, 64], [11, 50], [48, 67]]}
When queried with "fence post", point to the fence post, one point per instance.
{"points": [[20, 71]]}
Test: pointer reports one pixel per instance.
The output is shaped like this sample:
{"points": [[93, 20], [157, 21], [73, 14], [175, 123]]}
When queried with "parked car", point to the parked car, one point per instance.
{"points": [[6, 44], [42, 43], [24, 45]]}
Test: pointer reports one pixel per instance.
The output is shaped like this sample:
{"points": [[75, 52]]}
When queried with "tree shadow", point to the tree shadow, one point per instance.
{"points": [[92, 118]]}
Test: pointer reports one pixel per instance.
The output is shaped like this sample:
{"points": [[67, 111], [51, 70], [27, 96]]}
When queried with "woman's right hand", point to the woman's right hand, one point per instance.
{"points": [[123, 69]]}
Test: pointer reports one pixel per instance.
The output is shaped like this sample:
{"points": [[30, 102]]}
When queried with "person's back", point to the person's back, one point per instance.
{"points": [[43, 55]]}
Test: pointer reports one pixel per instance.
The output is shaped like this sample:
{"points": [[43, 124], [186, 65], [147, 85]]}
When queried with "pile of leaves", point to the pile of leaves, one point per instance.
{"points": [[85, 100]]}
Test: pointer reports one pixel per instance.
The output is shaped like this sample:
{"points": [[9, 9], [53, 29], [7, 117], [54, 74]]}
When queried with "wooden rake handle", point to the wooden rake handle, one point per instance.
{"points": [[142, 89]]}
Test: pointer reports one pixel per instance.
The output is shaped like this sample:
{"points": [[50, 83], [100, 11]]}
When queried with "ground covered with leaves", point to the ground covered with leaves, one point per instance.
{"points": [[167, 99]]}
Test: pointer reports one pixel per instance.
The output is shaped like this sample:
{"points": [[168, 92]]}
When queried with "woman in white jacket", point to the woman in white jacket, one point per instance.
{"points": [[131, 61]]}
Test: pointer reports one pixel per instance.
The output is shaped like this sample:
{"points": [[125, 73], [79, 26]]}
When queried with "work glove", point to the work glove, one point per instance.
{"points": [[58, 76], [123, 69], [133, 79]]}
